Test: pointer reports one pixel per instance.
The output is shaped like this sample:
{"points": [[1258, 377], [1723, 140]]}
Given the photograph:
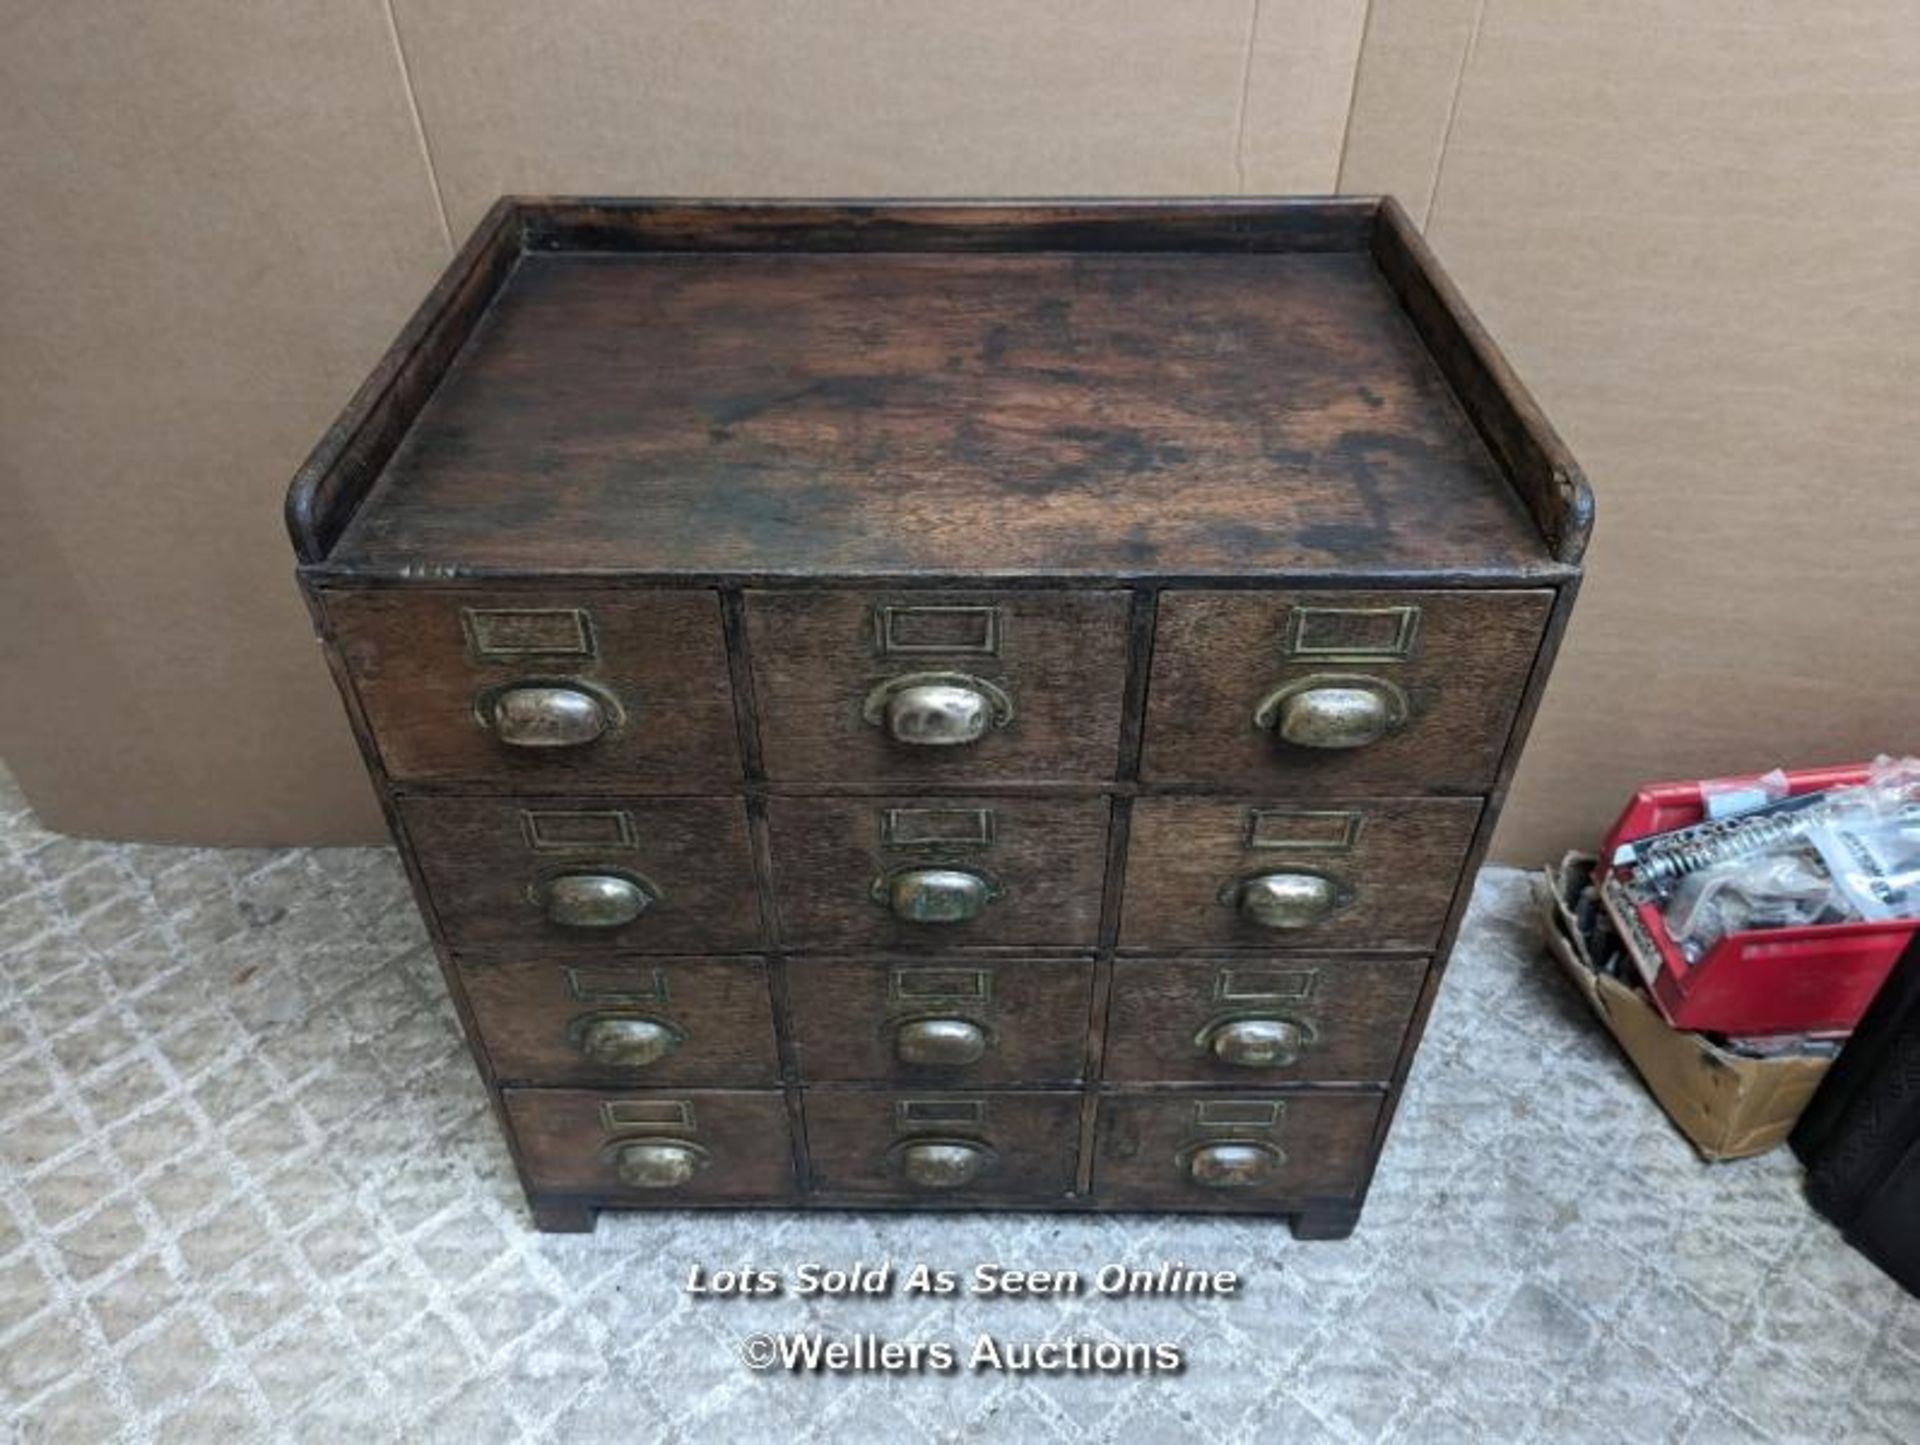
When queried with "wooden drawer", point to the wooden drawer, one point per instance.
{"points": [[842, 678], [943, 1146], [711, 1145], [1226, 1151], [1368, 874], [970, 1022], [849, 873], [625, 1021], [1237, 674], [450, 679], [501, 869], [1259, 1020]]}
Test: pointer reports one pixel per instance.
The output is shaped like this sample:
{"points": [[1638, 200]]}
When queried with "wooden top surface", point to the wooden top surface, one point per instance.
{"points": [[890, 414]]}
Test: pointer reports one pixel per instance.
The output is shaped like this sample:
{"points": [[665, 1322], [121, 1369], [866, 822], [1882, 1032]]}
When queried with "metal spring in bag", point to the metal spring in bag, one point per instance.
{"points": [[1705, 844]]}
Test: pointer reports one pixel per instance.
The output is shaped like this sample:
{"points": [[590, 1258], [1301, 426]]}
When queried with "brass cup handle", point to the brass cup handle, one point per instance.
{"points": [[943, 1163], [658, 1163], [595, 900], [1233, 1164], [1257, 1043], [938, 709], [934, 895], [624, 1041], [939, 1043], [1333, 710], [1288, 900], [545, 715]]}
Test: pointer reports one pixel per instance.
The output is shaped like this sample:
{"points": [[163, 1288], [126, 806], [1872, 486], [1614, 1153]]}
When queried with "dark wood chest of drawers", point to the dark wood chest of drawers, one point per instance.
{"points": [[942, 705]]}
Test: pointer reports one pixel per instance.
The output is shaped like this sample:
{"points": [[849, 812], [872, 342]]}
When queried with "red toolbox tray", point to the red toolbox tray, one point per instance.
{"points": [[1815, 979]]}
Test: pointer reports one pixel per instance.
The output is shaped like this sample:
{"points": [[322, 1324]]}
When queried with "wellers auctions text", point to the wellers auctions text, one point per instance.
{"points": [[810, 1352]]}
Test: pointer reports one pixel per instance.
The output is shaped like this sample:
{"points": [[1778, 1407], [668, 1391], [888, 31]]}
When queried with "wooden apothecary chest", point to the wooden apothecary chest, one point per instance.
{"points": [[942, 705]]}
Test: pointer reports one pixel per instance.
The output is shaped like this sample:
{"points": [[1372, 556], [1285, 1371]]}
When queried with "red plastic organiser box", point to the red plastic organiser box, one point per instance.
{"points": [[1816, 979]]}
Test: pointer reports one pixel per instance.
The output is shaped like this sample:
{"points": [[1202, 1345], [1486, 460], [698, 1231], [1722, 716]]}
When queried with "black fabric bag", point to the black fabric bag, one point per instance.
{"points": [[1860, 1135]]}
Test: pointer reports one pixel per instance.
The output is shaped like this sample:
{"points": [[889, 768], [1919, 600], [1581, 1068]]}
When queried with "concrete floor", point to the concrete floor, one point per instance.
{"points": [[249, 1191]]}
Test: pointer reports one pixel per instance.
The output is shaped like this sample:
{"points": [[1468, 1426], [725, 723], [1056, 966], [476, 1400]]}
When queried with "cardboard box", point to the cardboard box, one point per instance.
{"points": [[1729, 1106]]}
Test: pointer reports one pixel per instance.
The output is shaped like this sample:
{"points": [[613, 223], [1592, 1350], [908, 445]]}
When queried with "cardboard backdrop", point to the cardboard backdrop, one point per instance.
{"points": [[1694, 224]]}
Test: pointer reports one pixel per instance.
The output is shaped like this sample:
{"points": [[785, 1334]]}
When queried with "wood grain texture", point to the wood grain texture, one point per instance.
{"points": [[566, 1139], [1079, 415], [346, 461], [1355, 1012], [855, 1138], [846, 1014], [1047, 855], [1184, 852], [1241, 225], [1217, 654], [1060, 657], [1144, 1141], [1510, 421], [869, 464], [659, 656], [484, 877], [529, 1012]]}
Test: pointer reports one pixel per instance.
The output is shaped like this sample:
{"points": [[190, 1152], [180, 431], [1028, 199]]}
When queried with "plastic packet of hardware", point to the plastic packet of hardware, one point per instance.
{"points": [[1786, 889], [1869, 837], [1730, 797], [1659, 858]]}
